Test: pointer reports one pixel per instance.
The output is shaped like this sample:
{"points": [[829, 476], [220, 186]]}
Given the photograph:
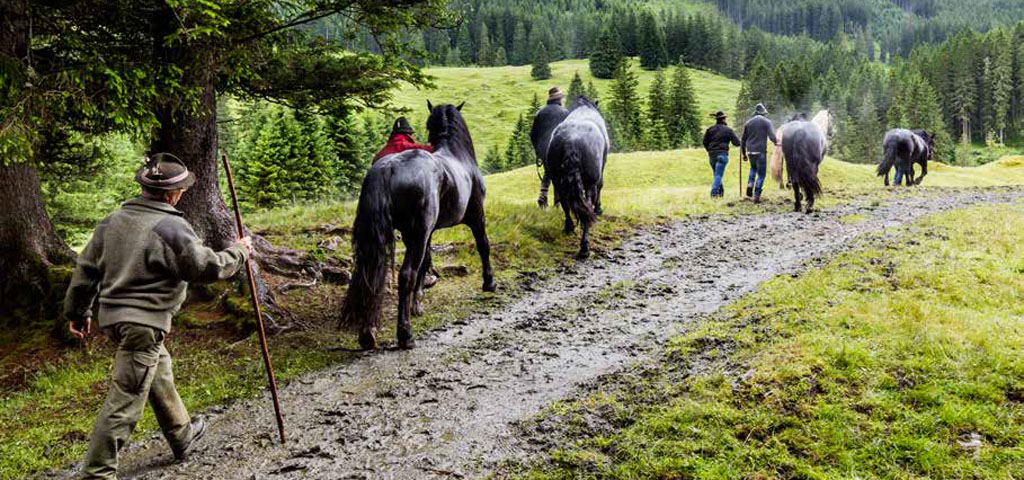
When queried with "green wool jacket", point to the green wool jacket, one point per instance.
{"points": [[139, 262]]}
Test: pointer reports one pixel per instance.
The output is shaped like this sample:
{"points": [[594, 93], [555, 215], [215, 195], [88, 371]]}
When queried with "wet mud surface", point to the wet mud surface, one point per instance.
{"points": [[448, 408]]}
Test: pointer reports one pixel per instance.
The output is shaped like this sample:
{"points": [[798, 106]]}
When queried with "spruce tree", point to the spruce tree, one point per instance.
{"points": [[684, 117], [592, 92], [863, 145], [1002, 85], [520, 54], [625, 105], [499, 59], [653, 51], [758, 87], [658, 113], [483, 47], [541, 70], [606, 55], [576, 89]]}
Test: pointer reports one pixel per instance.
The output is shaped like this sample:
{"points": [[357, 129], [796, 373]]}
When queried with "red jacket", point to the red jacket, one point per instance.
{"points": [[399, 143]]}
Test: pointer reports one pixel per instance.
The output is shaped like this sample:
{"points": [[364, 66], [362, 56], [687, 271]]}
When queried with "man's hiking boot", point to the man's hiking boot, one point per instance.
{"points": [[198, 430], [750, 191], [757, 198]]}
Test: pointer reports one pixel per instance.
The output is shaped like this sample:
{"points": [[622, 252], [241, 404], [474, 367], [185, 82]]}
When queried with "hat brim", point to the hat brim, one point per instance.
{"points": [[557, 96], [186, 183]]}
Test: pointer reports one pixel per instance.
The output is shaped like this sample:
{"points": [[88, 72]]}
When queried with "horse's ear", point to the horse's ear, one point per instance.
{"points": [[459, 108], [430, 106], [597, 103]]}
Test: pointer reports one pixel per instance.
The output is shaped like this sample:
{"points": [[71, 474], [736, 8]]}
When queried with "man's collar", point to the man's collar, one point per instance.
{"points": [[142, 201]]}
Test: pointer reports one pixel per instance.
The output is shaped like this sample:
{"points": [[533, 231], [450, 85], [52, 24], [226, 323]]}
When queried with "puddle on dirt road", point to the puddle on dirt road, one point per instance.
{"points": [[447, 408]]}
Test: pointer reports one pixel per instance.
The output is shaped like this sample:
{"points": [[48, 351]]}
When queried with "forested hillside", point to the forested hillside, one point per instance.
{"points": [[897, 25]]}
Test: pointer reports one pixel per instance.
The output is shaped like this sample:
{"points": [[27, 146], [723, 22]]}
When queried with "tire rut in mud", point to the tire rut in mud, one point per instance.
{"points": [[448, 407]]}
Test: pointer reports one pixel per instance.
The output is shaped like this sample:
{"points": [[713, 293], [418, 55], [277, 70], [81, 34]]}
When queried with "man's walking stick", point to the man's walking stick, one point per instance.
{"points": [[256, 304], [741, 177]]}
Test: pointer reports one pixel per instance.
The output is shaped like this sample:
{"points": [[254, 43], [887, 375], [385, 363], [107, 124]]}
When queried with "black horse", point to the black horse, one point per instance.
{"points": [[415, 192], [903, 148], [575, 162], [804, 145]]}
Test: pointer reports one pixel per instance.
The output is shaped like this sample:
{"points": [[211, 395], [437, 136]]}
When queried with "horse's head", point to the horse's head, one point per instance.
{"points": [[582, 101], [445, 126], [929, 141]]}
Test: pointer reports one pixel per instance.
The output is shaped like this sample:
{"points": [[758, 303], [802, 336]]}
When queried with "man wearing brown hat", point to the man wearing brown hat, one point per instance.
{"points": [[138, 265], [716, 142], [544, 123]]}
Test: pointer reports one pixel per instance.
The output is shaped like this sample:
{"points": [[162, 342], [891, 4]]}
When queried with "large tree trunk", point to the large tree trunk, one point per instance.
{"points": [[30, 250], [29, 245]]}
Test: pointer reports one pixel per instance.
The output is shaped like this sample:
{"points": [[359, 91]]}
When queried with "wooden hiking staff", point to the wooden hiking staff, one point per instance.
{"points": [[741, 177], [256, 304]]}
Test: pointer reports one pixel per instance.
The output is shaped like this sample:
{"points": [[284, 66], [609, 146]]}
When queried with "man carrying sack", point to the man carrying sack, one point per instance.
{"points": [[138, 264]]}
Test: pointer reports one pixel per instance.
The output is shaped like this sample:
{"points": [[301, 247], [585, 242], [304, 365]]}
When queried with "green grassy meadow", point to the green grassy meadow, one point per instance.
{"points": [[882, 364], [496, 96], [45, 421]]}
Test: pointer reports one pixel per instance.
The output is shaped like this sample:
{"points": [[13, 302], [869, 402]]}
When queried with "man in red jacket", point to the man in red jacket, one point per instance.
{"points": [[400, 140]]}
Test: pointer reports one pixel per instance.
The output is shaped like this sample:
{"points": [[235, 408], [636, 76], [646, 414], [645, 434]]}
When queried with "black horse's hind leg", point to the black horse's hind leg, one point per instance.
{"points": [[415, 250], [910, 175], [483, 246], [887, 178], [569, 226], [428, 263], [597, 197], [810, 201], [796, 198]]}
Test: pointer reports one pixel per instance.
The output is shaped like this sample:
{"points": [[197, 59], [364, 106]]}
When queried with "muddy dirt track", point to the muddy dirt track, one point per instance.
{"points": [[448, 407]]}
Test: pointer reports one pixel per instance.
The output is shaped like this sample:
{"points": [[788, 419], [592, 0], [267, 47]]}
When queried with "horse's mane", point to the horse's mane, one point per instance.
{"points": [[447, 128]]}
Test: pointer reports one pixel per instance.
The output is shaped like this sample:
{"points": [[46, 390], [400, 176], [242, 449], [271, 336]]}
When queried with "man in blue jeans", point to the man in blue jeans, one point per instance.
{"points": [[754, 146], [716, 142]]}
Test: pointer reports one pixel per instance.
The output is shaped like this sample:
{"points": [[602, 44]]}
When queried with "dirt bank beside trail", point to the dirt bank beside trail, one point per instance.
{"points": [[447, 408]]}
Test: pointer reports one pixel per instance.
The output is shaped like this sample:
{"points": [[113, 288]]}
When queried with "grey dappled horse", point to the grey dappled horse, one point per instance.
{"points": [[575, 162]]}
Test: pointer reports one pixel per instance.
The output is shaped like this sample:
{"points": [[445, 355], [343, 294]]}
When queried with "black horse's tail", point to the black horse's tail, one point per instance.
{"points": [[570, 184], [373, 242], [888, 158], [803, 170]]}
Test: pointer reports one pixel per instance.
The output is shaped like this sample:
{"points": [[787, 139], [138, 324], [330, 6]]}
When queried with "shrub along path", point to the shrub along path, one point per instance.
{"points": [[450, 406]]}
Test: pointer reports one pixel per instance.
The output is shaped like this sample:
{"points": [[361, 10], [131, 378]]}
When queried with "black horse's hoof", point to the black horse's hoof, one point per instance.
{"points": [[367, 341], [406, 343], [598, 211], [583, 254], [417, 309], [797, 209], [490, 286]]}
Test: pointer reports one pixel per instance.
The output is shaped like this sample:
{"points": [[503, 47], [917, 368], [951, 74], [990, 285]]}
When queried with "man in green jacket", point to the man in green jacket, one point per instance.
{"points": [[138, 264]]}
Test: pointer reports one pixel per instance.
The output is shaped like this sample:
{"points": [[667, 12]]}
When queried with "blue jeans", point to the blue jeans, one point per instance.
{"points": [[718, 162], [758, 170], [898, 176]]}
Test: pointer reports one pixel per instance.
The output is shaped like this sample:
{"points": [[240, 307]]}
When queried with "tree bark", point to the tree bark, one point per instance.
{"points": [[29, 245], [30, 250]]}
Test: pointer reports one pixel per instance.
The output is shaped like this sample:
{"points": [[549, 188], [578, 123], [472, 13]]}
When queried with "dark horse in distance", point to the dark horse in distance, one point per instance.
{"points": [[804, 145], [575, 162], [903, 148], [415, 192]]}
